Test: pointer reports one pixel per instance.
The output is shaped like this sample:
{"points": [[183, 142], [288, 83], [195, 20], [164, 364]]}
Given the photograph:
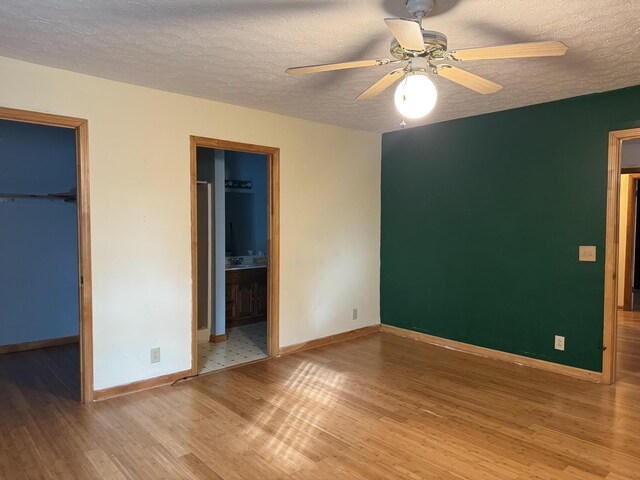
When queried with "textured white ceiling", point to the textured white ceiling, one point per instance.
{"points": [[236, 51]]}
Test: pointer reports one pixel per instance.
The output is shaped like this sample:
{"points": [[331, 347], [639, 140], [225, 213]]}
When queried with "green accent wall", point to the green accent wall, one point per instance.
{"points": [[481, 222]]}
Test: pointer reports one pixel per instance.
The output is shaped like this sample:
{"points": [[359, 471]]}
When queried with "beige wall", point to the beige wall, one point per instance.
{"points": [[139, 159]]}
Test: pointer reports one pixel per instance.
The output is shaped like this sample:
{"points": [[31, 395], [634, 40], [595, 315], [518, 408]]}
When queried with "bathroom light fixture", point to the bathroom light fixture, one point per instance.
{"points": [[416, 95]]}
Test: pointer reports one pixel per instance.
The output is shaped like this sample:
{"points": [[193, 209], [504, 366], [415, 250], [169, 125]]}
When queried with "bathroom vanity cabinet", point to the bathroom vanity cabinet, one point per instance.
{"points": [[246, 296]]}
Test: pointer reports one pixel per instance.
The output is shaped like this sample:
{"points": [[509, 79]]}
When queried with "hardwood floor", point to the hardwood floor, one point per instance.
{"points": [[45, 374], [376, 407], [629, 347]]}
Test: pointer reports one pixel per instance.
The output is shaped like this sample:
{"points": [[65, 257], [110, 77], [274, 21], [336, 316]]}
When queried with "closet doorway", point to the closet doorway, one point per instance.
{"points": [[46, 278], [235, 253]]}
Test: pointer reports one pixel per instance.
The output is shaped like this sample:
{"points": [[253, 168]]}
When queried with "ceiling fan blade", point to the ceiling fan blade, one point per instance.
{"points": [[382, 84], [467, 79], [407, 32], [328, 67], [518, 50]]}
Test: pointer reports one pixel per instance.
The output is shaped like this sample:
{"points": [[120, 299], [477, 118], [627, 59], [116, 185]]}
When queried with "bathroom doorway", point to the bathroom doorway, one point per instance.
{"points": [[235, 253]]}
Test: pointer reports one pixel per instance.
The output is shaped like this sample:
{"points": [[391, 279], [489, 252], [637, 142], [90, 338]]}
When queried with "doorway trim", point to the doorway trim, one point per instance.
{"points": [[81, 126], [609, 339], [630, 238], [273, 238]]}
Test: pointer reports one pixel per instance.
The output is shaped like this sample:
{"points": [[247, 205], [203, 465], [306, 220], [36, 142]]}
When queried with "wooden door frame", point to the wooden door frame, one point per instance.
{"points": [[630, 238], [273, 238], [609, 339], [81, 127]]}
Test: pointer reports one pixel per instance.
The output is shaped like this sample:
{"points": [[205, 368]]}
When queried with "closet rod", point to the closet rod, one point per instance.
{"points": [[50, 196]]}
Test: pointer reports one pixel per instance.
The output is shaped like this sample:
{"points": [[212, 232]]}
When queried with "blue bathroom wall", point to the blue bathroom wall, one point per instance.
{"points": [[38, 240], [253, 167]]}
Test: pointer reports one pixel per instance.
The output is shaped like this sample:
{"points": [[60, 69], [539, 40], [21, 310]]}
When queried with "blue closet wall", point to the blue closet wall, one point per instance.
{"points": [[38, 237]]}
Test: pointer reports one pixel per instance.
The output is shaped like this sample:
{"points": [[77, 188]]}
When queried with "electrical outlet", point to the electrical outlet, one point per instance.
{"points": [[587, 253], [559, 343], [155, 355], [355, 314]]}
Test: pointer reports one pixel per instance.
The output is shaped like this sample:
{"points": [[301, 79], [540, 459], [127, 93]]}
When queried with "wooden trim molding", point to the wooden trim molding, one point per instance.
{"points": [[40, 118], [51, 342], [630, 238], [321, 342], [493, 354], [609, 345], [218, 338], [193, 182], [273, 237], [140, 386], [273, 241], [81, 127], [86, 282]]}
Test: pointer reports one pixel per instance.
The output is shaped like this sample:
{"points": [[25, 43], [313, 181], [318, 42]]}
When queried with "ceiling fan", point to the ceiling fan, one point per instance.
{"points": [[423, 50]]}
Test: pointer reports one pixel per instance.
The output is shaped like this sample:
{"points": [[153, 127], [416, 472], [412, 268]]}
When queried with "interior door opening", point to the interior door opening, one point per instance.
{"points": [[628, 266], [45, 314], [234, 215], [628, 297]]}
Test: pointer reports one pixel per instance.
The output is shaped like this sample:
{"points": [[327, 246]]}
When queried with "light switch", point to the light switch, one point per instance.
{"points": [[587, 253]]}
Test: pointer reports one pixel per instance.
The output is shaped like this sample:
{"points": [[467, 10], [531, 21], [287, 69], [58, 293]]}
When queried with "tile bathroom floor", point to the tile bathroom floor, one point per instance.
{"points": [[244, 344]]}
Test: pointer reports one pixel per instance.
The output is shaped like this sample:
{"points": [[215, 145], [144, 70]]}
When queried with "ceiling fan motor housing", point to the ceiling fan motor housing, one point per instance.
{"points": [[419, 8], [435, 45]]}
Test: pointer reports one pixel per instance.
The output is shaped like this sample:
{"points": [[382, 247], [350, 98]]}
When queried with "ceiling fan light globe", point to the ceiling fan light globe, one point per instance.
{"points": [[416, 96]]}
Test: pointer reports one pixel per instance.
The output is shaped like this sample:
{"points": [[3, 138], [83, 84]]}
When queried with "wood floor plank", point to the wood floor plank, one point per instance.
{"points": [[375, 407]]}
